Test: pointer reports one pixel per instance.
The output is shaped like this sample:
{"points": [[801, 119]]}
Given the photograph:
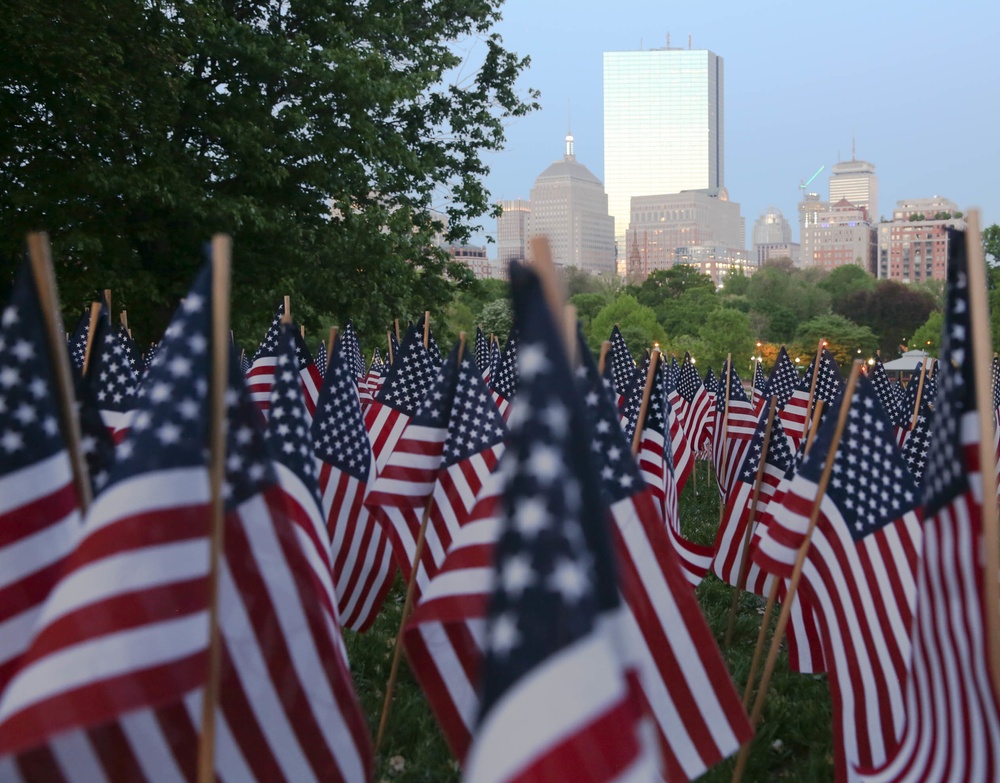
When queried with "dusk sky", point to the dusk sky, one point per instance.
{"points": [[916, 84]]}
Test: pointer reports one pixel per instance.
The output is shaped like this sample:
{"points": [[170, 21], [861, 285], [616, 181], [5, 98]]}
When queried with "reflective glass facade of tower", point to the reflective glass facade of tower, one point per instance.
{"points": [[663, 125]]}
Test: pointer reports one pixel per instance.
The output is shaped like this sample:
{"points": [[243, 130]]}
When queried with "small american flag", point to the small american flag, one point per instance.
{"points": [[260, 376], [859, 575], [952, 728], [39, 511], [557, 698], [359, 549], [111, 379], [504, 379]]}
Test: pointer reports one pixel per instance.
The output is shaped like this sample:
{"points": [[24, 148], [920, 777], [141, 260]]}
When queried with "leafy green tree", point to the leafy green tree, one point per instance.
{"points": [[845, 339], [637, 322], [496, 318], [991, 244], [735, 283], [317, 133], [928, 336], [588, 306], [727, 331], [844, 281], [787, 297], [666, 284], [689, 311]]}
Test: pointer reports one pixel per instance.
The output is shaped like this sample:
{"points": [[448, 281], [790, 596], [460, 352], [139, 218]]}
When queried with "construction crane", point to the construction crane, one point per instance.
{"points": [[805, 184]]}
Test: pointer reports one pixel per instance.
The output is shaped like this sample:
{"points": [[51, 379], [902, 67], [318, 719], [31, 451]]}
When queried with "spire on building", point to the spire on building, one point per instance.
{"points": [[570, 155]]}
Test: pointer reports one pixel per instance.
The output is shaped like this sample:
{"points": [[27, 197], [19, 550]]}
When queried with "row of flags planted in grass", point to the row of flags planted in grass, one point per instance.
{"points": [[529, 497]]}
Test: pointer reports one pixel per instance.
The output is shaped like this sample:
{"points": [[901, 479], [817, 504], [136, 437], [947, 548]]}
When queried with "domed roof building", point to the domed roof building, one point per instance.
{"points": [[570, 207]]}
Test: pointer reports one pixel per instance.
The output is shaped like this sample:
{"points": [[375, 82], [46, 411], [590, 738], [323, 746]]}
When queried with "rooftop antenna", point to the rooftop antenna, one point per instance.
{"points": [[852, 148], [689, 40], [668, 39]]}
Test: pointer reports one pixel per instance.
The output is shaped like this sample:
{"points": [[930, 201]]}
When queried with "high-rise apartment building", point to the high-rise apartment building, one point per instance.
{"points": [[663, 126], [678, 227], [512, 230], [841, 235], [570, 207], [914, 245], [855, 180]]}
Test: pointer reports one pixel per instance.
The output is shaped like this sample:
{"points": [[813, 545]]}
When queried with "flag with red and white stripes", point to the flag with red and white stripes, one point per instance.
{"points": [[111, 382], [359, 549], [952, 713], [504, 376], [692, 405], [740, 510], [558, 689], [829, 384], [859, 574], [400, 495], [260, 377], [735, 425], [39, 507]]}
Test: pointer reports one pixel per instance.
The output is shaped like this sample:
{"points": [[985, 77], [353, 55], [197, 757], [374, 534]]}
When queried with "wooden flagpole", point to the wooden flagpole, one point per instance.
{"points": [[123, 316], [654, 357], [603, 358], [288, 306], [221, 254], [388, 339], [920, 391], [396, 325], [411, 585], [812, 385], [814, 420], [427, 328], [40, 254], [795, 578], [981, 350], [107, 298], [741, 580], [95, 313]]}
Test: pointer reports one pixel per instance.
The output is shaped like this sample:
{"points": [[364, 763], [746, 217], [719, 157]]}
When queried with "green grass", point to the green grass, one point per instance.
{"points": [[793, 741]]}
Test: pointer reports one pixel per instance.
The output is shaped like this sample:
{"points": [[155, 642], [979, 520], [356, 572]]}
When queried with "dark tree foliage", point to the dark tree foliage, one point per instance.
{"points": [[318, 133], [891, 310]]}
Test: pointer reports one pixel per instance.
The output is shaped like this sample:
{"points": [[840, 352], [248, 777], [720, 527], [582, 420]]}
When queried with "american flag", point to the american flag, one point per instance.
{"points": [[557, 699], [405, 386], [482, 352], [504, 379], [401, 492], [78, 341], [660, 466], [711, 382], [287, 707], [917, 441], [829, 385], [39, 507], [995, 386], [260, 376], [859, 575], [623, 367], [883, 390], [376, 375], [671, 644], [321, 358], [952, 728], [126, 627], [352, 349], [731, 535], [111, 380], [909, 405], [734, 428], [759, 387], [692, 405], [290, 441], [359, 549], [782, 381], [120, 696]]}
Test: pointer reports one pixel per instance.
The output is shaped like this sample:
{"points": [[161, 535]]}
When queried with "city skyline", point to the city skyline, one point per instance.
{"points": [[796, 94]]}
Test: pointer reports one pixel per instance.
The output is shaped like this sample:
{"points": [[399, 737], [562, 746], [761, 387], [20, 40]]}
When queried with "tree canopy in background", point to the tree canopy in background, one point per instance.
{"points": [[319, 134]]}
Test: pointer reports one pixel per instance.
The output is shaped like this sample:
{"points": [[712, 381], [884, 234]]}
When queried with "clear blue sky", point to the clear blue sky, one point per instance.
{"points": [[917, 84]]}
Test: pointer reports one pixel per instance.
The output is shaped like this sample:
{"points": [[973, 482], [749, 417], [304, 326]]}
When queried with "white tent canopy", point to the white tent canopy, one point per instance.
{"points": [[907, 362]]}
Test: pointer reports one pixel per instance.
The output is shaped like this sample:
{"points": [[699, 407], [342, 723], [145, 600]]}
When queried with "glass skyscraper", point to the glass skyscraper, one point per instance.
{"points": [[663, 126]]}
